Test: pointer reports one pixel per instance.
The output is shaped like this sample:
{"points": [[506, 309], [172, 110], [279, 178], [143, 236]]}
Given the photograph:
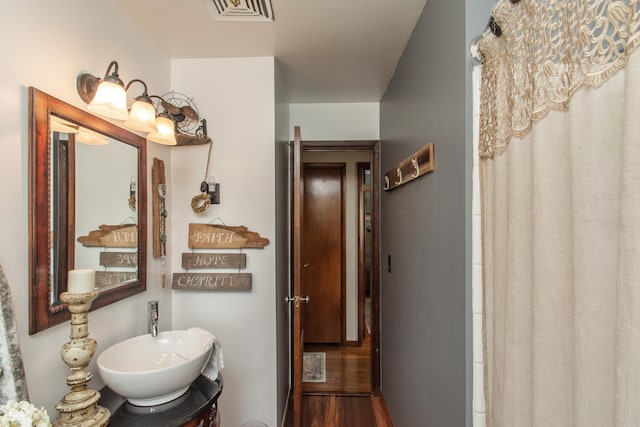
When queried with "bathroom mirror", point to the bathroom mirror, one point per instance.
{"points": [[84, 173]]}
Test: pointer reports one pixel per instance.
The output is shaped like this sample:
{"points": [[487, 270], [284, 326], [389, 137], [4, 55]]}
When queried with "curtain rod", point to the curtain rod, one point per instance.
{"points": [[492, 26]]}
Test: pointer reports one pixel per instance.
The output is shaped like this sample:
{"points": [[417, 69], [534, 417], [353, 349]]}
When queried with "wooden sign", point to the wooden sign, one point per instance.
{"points": [[119, 259], [216, 236], [112, 236], [212, 281], [109, 278], [183, 140], [213, 260], [414, 166], [158, 209]]}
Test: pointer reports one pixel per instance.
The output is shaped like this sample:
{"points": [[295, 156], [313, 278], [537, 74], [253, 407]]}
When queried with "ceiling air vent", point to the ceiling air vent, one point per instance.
{"points": [[240, 10]]}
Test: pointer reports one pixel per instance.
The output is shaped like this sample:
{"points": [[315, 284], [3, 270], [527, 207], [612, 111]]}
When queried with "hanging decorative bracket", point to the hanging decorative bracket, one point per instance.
{"points": [[419, 163]]}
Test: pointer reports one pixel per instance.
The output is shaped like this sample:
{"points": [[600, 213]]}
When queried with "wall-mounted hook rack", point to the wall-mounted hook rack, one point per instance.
{"points": [[414, 166]]}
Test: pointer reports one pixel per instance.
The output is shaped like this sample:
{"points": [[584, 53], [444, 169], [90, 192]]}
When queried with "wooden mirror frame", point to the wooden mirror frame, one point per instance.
{"points": [[42, 313]]}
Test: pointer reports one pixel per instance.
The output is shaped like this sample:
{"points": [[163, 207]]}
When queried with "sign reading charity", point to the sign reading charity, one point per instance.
{"points": [[216, 236], [212, 281]]}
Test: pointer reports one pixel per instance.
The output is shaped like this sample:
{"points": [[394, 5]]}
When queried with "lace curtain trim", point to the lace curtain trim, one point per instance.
{"points": [[547, 51]]}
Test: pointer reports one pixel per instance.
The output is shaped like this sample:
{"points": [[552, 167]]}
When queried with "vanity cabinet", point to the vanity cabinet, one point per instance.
{"points": [[198, 407], [210, 418]]}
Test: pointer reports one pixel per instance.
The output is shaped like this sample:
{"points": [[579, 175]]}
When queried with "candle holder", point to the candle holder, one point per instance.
{"points": [[79, 408]]}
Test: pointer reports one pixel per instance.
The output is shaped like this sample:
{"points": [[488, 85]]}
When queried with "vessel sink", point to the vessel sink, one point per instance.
{"points": [[149, 370]]}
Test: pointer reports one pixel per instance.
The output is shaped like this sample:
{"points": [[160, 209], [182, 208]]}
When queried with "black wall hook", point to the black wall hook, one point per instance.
{"points": [[494, 27]]}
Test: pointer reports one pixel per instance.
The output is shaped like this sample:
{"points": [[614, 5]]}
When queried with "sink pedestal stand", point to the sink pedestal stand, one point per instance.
{"points": [[79, 408]]}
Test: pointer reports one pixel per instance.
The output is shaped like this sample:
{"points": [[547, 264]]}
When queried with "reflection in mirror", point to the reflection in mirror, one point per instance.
{"points": [[61, 200], [105, 183], [86, 175]]}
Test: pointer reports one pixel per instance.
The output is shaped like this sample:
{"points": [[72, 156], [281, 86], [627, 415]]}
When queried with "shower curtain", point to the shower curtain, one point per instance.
{"points": [[560, 194], [13, 383]]}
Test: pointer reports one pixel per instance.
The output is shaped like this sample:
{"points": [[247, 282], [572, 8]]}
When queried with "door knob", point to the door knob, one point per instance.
{"points": [[305, 265], [296, 300]]}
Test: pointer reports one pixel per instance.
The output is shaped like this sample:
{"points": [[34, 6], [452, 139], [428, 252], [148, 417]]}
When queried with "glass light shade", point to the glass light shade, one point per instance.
{"points": [[88, 137], [62, 126], [142, 117], [110, 101], [165, 133]]}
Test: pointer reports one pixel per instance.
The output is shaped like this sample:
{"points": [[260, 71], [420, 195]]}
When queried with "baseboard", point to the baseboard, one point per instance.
{"points": [[381, 412], [285, 415]]}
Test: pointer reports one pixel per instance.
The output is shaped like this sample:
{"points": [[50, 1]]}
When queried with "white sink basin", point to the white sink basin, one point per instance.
{"points": [[148, 370]]}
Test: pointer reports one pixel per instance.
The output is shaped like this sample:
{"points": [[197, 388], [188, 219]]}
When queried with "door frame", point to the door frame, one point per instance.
{"points": [[373, 147], [362, 236], [296, 339]]}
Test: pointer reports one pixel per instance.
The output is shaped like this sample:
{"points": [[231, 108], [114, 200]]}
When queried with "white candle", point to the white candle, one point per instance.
{"points": [[81, 281]]}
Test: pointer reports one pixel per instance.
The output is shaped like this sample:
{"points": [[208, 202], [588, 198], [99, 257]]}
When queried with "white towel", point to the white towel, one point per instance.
{"points": [[195, 342], [215, 364]]}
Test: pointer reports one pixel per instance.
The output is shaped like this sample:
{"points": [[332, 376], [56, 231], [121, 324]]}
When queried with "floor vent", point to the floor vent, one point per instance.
{"points": [[240, 10]]}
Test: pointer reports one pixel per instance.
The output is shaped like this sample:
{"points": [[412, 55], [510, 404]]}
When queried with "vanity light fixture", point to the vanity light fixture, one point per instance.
{"points": [[165, 133], [62, 126], [88, 137], [142, 115], [108, 97]]}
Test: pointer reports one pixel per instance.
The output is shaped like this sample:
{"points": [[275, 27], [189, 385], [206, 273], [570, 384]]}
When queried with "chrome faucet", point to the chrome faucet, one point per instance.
{"points": [[152, 320]]}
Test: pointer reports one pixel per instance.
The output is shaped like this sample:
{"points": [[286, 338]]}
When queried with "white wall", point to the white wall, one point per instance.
{"points": [[50, 44], [47, 44], [335, 122], [237, 97]]}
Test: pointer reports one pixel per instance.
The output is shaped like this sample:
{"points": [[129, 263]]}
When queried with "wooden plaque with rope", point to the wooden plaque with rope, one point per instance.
{"points": [[216, 236]]}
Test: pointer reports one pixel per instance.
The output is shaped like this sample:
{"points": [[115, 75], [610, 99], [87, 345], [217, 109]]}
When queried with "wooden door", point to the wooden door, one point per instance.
{"points": [[295, 300], [322, 252]]}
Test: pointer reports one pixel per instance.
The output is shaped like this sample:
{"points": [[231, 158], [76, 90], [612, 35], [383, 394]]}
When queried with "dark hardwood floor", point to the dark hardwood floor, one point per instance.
{"points": [[334, 410], [348, 369], [345, 399], [344, 411]]}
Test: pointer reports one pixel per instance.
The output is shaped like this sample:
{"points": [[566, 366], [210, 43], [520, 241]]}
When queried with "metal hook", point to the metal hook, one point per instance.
{"points": [[416, 166], [494, 27], [399, 172]]}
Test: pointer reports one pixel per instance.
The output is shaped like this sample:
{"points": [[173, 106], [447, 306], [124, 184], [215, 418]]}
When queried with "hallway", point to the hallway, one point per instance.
{"points": [[348, 369], [345, 398], [344, 411]]}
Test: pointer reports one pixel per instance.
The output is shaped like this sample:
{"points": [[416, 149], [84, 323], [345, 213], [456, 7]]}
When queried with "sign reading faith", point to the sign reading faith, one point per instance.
{"points": [[112, 236], [215, 236], [213, 260], [212, 281]]}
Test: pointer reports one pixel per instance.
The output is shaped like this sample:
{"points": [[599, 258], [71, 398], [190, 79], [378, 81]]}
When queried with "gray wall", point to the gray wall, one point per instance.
{"points": [[426, 224]]}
